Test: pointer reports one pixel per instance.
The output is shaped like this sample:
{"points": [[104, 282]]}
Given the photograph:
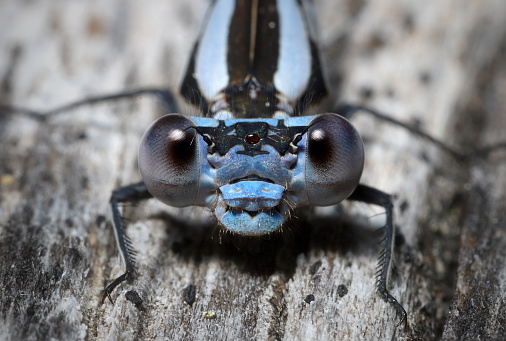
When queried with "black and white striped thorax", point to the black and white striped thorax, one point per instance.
{"points": [[254, 58]]}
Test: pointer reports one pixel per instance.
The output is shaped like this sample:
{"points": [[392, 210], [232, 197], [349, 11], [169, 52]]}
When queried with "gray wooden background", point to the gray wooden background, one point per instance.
{"points": [[437, 64]]}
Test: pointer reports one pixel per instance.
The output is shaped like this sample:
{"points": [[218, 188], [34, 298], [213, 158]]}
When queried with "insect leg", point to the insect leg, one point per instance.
{"points": [[347, 110], [165, 96], [373, 196], [130, 193]]}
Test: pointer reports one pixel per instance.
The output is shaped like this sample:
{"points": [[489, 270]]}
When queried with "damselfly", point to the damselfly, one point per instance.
{"points": [[253, 134], [254, 158]]}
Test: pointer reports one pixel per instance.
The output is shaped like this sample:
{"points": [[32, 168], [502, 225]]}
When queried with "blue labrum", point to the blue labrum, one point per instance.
{"points": [[251, 172]]}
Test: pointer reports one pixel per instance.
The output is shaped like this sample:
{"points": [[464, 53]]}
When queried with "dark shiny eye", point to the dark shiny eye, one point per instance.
{"points": [[334, 159], [168, 160]]}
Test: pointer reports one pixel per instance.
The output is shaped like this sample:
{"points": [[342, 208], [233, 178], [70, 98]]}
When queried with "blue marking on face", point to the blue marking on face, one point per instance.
{"points": [[251, 196], [251, 207], [243, 223]]}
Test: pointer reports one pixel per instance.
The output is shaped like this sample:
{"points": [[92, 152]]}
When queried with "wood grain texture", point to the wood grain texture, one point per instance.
{"points": [[438, 64]]}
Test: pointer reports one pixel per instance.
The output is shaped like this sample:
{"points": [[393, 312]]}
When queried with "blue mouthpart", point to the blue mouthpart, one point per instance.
{"points": [[252, 195], [251, 207]]}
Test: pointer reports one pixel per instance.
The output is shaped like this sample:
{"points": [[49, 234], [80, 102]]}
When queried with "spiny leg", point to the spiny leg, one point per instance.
{"points": [[373, 196], [130, 193]]}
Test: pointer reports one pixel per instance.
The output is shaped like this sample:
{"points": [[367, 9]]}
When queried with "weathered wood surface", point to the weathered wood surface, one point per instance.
{"points": [[439, 64]]}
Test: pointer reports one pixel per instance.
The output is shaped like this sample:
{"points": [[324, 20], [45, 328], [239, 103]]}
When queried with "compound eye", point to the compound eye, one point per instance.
{"points": [[168, 160], [334, 160]]}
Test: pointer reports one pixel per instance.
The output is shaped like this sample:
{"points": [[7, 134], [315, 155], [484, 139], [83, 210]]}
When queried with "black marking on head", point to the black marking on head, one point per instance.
{"points": [[252, 136]]}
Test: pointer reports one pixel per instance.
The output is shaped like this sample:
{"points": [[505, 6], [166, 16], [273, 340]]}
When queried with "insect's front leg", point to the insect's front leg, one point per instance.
{"points": [[130, 193], [373, 196]]}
